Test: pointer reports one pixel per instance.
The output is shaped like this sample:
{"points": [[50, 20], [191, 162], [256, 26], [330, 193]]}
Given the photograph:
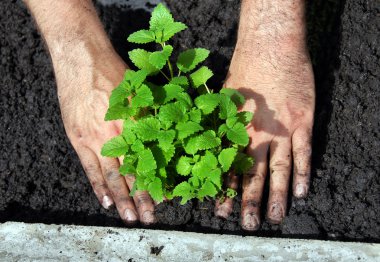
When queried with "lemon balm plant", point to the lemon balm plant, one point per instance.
{"points": [[175, 144]]}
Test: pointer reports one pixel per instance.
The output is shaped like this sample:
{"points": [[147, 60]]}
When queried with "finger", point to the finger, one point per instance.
{"points": [[253, 185], [93, 171], [225, 209], [280, 166], [301, 142], [119, 190], [143, 202]]}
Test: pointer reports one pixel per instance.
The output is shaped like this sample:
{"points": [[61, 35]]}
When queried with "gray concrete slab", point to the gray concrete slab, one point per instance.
{"points": [[39, 242]]}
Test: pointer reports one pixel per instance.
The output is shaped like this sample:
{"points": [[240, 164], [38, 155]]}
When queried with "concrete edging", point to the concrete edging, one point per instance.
{"points": [[30, 242]]}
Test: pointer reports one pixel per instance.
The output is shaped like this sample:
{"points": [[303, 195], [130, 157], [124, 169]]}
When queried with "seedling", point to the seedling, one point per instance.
{"points": [[173, 144]]}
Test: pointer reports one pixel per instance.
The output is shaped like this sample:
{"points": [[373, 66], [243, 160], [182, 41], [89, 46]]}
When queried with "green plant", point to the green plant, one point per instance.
{"points": [[173, 144]]}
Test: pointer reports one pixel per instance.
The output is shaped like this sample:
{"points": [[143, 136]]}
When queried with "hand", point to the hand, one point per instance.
{"points": [[276, 77], [87, 69]]}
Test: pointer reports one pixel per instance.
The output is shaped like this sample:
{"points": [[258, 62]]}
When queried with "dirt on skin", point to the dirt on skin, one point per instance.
{"points": [[41, 179]]}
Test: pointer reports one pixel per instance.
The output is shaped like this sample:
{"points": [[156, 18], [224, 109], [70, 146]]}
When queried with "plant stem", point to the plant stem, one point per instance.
{"points": [[170, 68], [165, 75], [208, 90]]}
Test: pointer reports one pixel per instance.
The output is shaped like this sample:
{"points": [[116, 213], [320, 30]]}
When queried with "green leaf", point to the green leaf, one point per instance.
{"points": [[146, 162], [227, 107], [155, 190], [189, 59], [238, 134], [235, 95], [226, 158], [127, 169], [120, 94], [207, 103], [201, 76], [128, 133], [207, 140], [168, 153], [171, 29], [184, 166], [137, 78], [186, 129], [231, 193], [137, 146], [183, 190], [173, 112], [143, 97], [180, 80], [141, 37], [195, 115], [115, 147], [215, 176], [119, 111], [165, 139], [159, 58], [161, 18], [207, 189], [171, 92], [147, 129], [243, 163], [185, 100], [140, 58], [245, 117]]}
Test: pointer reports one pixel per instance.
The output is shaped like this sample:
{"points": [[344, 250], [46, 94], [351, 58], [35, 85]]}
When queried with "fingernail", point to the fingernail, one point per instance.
{"points": [[300, 191], [276, 213], [251, 222], [148, 218], [130, 215], [222, 211], [107, 202]]}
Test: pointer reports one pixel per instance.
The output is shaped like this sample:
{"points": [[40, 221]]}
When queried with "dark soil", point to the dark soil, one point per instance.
{"points": [[41, 179]]}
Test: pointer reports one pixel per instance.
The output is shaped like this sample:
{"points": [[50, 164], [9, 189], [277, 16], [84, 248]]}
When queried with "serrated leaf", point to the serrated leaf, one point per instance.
{"points": [[146, 162], [140, 58], [226, 158], [185, 100], [165, 138], [207, 189], [230, 122], [235, 95], [115, 147], [215, 176], [127, 169], [159, 156], [155, 190], [141, 37], [201, 76], [222, 129], [238, 134], [143, 97], [227, 107], [128, 133], [183, 190], [137, 78], [137, 146], [180, 80], [171, 92], [161, 17], [207, 103], [159, 58], [186, 129], [119, 111], [243, 163], [120, 94], [189, 59], [195, 115], [173, 112], [168, 153], [245, 117], [171, 29], [207, 140], [184, 166], [147, 129]]}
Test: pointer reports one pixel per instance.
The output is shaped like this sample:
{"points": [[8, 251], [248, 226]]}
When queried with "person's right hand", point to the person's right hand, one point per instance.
{"points": [[85, 80]]}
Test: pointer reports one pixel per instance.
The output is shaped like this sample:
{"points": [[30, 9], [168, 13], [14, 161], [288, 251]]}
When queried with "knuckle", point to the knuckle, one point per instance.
{"points": [[112, 175], [141, 199], [90, 169], [280, 165], [251, 203]]}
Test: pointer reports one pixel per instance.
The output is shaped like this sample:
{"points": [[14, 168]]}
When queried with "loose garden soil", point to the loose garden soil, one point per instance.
{"points": [[41, 179]]}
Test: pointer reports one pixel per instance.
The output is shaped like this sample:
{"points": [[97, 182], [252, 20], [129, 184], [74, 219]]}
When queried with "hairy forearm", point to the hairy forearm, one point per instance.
{"points": [[279, 23]]}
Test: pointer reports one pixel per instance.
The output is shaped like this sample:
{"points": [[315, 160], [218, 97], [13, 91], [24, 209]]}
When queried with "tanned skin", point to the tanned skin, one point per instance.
{"points": [[270, 66]]}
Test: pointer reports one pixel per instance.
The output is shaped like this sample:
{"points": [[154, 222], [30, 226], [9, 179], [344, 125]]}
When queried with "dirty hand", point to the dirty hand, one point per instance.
{"points": [[271, 67], [87, 69]]}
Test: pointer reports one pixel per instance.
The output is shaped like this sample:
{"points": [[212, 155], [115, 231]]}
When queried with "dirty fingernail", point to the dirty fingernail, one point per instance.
{"points": [[222, 211], [107, 202], [148, 218], [251, 222], [300, 191], [130, 215], [276, 213]]}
